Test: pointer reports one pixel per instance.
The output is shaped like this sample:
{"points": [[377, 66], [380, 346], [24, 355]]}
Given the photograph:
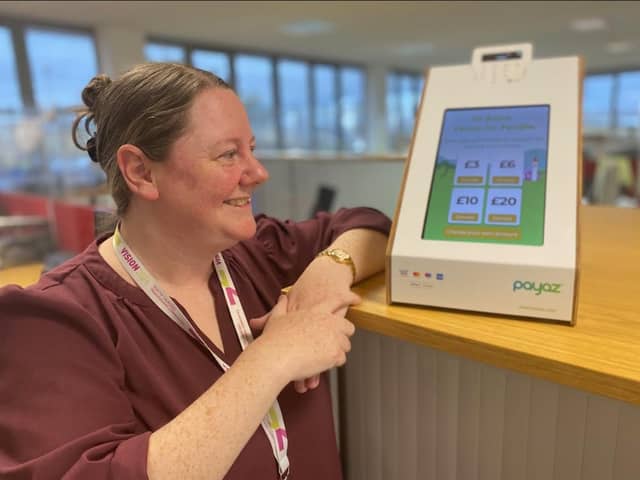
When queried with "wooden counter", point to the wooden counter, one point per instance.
{"points": [[600, 354], [22, 275]]}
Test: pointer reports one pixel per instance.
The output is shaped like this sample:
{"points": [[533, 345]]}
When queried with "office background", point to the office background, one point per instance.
{"points": [[337, 82], [332, 89]]}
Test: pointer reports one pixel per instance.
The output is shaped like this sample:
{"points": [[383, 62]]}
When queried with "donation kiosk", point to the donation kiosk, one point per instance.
{"points": [[487, 214]]}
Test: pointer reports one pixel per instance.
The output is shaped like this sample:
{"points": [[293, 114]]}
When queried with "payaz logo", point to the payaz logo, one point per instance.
{"points": [[539, 287]]}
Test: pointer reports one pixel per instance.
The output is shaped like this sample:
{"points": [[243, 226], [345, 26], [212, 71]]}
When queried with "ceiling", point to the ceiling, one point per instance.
{"points": [[400, 34]]}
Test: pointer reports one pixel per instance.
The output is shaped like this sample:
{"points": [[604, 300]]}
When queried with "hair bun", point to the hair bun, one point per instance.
{"points": [[94, 89]]}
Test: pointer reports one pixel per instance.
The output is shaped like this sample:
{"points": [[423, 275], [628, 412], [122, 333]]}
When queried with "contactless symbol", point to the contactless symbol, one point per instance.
{"points": [[440, 276]]}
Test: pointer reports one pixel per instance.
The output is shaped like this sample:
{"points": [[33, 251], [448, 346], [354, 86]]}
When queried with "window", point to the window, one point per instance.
{"points": [[611, 101], [38, 153], [10, 112], [10, 99], [353, 100], [597, 105], [293, 90], [325, 107], [628, 106], [164, 52], [214, 62], [291, 103], [254, 84], [57, 88], [51, 54], [403, 93], [394, 130]]}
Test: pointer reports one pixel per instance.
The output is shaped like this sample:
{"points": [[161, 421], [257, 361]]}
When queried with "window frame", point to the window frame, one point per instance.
{"points": [[416, 77], [274, 58], [17, 28], [613, 113]]}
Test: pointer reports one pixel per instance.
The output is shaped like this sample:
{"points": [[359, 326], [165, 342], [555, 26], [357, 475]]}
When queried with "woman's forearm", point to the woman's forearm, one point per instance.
{"points": [[367, 249], [203, 441]]}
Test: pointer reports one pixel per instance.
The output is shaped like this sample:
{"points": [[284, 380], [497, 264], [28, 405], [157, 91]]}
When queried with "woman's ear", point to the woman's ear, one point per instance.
{"points": [[137, 170]]}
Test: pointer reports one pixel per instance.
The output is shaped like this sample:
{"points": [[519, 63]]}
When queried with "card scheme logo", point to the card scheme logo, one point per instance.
{"points": [[404, 273], [538, 288]]}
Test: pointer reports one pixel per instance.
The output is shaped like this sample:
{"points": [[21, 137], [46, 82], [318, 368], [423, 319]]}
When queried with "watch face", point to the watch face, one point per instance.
{"points": [[341, 255]]}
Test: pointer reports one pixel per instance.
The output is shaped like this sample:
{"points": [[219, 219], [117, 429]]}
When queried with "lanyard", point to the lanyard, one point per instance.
{"points": [[273, 422]]}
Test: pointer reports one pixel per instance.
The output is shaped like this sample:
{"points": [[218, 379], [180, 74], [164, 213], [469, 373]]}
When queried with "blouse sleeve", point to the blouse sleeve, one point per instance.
{"points": [[285, 248], [64, 414]]}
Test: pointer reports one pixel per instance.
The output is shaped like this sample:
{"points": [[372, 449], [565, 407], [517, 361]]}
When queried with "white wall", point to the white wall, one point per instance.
{"points": [[293, 185], [119, 48]]}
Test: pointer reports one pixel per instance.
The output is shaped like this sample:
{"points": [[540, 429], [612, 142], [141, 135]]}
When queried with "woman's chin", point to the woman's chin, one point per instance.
{"points": [[245, 230]]}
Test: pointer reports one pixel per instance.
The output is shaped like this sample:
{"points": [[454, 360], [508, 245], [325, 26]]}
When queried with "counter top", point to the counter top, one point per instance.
{"points": [[600, 354], [22, 275]]}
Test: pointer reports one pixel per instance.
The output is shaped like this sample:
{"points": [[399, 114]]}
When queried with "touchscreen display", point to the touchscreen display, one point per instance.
{"points": [[489, 180]]}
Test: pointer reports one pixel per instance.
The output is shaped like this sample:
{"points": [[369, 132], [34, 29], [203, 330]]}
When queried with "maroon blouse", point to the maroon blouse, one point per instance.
{"points": [[89, 366]]}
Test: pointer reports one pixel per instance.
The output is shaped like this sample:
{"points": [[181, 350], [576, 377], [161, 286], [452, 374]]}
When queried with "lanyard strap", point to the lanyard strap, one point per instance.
{"points": [[273, 422]]}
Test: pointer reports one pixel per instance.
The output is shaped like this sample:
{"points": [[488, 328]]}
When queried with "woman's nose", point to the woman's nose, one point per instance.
{"points": [[255, 173]]}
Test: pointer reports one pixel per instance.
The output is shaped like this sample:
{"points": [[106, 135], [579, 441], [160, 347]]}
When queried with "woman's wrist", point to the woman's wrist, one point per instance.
{"points": [[341, 257], [270, 360], [339, 273]]}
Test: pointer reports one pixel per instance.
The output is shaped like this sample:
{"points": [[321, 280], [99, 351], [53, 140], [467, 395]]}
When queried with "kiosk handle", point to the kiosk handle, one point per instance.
{"points": [[501, 63]]}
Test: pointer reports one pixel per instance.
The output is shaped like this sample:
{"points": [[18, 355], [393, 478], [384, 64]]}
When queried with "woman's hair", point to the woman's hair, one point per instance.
{"points": [[147, 107]]}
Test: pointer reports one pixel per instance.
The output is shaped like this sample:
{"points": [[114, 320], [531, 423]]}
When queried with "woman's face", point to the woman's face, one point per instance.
{"points": [[205, 184]]}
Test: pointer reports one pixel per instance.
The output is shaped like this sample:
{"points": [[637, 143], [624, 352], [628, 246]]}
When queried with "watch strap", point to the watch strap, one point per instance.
{"points": [[339, 255]]}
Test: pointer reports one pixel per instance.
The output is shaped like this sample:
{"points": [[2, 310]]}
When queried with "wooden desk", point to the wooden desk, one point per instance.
{"points": [[440, 394], [22, 275], [600, 354]]}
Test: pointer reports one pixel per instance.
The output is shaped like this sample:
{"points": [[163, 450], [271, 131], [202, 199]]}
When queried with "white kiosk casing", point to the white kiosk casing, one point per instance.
{"points": [[492, 262]]}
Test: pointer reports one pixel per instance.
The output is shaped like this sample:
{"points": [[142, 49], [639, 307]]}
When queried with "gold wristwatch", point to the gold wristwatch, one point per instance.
{"points": [[340, 256]]}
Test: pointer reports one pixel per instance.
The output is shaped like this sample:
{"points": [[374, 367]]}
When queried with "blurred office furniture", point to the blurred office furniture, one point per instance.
{"points": [[72, 224], [70, 229], [611, 165], [606, 186], [589, 165], [24, 239], [325, 196]]}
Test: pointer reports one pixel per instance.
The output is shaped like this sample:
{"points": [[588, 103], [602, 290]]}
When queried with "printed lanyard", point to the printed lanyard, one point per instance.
{"points": [[273, 422]]}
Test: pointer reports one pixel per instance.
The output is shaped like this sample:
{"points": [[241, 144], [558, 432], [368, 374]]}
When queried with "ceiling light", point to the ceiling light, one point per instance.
{"points": [[617, 48], [307, 27], [588, 24]]}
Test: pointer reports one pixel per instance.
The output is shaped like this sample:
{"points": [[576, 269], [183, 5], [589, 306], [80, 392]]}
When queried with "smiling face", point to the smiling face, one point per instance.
{"points": [[205, 183]]}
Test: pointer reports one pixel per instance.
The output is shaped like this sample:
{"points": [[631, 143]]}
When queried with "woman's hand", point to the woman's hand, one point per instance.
{"points": [[307, 341], [321, 281]]}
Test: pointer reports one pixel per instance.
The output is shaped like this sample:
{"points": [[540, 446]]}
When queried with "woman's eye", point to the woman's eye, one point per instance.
{"points": [[230, 154]]}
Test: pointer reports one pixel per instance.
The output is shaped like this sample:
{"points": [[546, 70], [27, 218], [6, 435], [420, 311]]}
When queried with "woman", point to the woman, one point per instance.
{"points": [[134, 360]]}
